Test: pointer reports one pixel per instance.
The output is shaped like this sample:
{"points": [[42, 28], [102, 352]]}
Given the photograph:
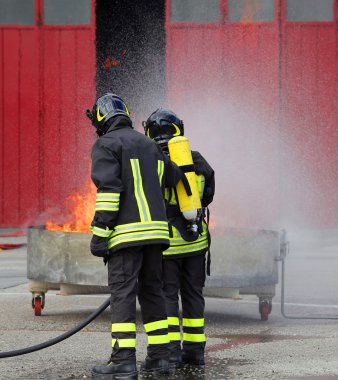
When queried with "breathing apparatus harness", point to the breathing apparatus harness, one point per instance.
{"points": [[167, 130]]}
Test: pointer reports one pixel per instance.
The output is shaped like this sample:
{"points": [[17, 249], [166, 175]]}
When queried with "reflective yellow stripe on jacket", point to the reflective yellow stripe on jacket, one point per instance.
{"points": [[100, 231], [160, 170], [138, 231], [141, 200], [107, 202], [179, 246], [169, 194]]}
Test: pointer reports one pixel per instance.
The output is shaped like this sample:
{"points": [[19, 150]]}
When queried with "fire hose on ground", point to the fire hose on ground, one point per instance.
{"points": [[283, 253], [59, 338]]}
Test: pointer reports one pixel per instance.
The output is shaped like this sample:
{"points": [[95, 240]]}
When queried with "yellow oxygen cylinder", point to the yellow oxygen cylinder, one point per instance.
{"points": [[180, 153]]}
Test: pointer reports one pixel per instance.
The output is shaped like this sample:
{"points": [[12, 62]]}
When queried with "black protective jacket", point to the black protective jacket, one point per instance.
{"points": [[130, 173]]}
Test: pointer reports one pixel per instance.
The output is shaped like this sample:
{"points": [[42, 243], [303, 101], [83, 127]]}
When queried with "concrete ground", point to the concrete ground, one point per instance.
{"points": [[240, 345]]}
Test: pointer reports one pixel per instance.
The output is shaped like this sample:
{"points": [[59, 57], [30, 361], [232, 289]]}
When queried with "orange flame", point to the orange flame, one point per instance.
{"points": [[215, 228], [212, 223], [81, 206]]}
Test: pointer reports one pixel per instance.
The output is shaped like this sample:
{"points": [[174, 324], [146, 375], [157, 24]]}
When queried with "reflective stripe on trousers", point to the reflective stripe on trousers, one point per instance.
{"points": [[157, 332], [123, 335]]}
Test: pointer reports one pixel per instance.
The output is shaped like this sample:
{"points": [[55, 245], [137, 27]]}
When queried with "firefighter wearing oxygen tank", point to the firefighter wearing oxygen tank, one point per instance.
{"points": [[130, 231], [184, 264]]}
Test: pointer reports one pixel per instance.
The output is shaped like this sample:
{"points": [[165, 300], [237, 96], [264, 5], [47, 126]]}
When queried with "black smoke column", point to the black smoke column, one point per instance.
{"points": [[130, 43]]}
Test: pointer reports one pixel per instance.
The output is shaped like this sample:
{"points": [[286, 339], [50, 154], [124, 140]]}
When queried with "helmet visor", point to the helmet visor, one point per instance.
{"points": [[163, 128], [112, 105]]}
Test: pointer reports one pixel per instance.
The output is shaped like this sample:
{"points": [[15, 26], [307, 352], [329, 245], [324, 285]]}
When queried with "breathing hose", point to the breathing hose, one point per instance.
{"points": [[59, 338]]}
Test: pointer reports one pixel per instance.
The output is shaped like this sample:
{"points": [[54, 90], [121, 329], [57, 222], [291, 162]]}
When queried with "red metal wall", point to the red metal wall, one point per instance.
{"points": [[47, 81], [259, 99], [223, 81], [309, 120]]}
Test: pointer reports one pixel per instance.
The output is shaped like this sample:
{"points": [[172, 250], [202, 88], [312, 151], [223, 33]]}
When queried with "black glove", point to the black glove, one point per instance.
{"points": [[99, 246]]}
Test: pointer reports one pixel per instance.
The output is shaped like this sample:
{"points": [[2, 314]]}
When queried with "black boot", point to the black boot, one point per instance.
{"points": [[155, 366], [175, 360], [193, 358], [116, 371]]}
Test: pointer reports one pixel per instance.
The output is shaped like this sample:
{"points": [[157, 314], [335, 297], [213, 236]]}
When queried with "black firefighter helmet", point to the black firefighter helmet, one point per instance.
{"points": [[162, 125], [105, 108]]}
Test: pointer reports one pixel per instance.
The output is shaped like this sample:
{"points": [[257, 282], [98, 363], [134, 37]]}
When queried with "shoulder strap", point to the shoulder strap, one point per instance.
{"points": [[209, 244]]}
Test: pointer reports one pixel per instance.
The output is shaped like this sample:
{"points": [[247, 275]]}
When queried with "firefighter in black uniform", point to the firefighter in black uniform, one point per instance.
{"points": [[130, 232], [184, 266]]}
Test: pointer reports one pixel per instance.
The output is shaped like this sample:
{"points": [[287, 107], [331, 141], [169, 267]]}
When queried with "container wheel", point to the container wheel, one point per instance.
{"points": [[38, 303], [264, 312], [265, 306]]}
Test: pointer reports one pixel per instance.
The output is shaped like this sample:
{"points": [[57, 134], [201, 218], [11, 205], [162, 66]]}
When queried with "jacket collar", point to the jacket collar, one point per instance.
{"points": [[120, 122]]}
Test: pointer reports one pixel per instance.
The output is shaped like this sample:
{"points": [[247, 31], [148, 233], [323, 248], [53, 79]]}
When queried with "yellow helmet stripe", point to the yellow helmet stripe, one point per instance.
{"points": [[126, 109], [99, 117], [178, 132]]}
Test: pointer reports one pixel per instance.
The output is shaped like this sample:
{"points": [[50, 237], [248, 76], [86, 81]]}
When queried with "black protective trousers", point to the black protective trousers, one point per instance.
{"points": [[137, 271], [185, 276]]}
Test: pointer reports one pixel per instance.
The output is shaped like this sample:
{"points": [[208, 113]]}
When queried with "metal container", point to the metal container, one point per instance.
{"points": [[243, 262]]}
